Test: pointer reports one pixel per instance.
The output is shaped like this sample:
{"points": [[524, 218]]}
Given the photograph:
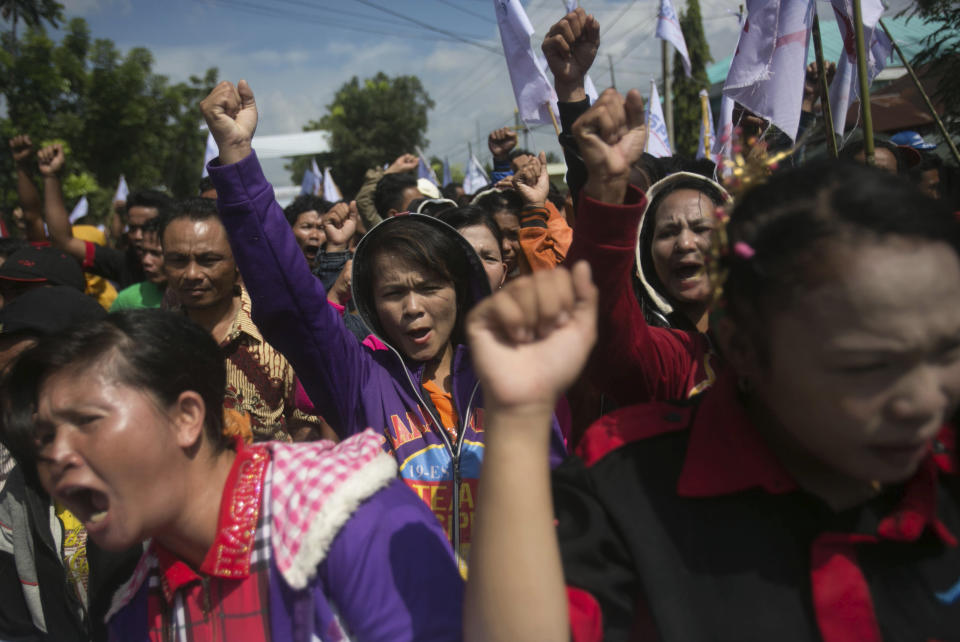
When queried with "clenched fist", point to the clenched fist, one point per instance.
{"points": [[231, 115], [22, 149], [501, 142], [50, 160]]}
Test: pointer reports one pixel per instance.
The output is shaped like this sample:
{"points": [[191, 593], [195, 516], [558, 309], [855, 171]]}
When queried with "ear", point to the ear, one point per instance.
{"points": [[738, 348], [188, 414]]}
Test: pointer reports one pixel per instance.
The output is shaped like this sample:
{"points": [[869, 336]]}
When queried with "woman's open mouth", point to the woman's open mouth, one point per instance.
{"points": [[420, 336], [88, 505]]}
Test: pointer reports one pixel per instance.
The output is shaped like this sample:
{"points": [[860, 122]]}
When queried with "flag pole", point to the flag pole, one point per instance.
{"points": [[923, 94], [553, 117], [864, 84], [667, 90], [824, 89]]}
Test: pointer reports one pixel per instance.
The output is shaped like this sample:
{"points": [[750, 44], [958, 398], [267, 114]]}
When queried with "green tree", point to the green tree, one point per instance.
{"points": [[370, 122], [686, 91], [941, 55], [113, 113], [33, 13]]}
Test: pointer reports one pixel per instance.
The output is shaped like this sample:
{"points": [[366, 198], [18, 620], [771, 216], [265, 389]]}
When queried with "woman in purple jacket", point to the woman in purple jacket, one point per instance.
{"points": [[124, 420], [414, 279]]}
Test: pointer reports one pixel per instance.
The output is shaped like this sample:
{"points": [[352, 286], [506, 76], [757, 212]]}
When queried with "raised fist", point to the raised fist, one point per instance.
{"points": [[340, 224], [231, 115], [611, 136], [22, 149], [404, 163], [570, 47], [340, 291], [501, 142], [532, 181], [50, 159]]}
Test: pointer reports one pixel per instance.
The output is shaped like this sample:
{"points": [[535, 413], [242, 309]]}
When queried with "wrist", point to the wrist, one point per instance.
{"points": [[612, 191], [234, 153], [334, 247], [571, 92]]}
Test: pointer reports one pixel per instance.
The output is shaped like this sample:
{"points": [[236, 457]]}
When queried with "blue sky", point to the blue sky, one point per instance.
{"points": [[296, 53]]}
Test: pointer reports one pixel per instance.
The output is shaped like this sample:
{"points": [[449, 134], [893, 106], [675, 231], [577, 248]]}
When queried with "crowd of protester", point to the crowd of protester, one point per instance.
{"points": [[650, 403]]}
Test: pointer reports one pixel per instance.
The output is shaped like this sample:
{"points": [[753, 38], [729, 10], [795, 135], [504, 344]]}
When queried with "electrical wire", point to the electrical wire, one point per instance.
{"points": [[462, 38]]}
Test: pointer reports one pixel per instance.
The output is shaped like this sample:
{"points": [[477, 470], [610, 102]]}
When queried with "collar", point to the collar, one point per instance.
{"points": [[243, 323], [229, 557], [726, 455]]}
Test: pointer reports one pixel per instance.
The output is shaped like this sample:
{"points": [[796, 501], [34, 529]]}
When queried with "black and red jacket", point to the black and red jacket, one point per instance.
{"points": [[676, 522]]}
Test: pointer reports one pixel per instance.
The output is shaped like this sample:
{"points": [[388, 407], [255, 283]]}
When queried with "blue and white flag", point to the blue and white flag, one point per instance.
{"points": [[79, 210], [209, 154], [312, 179], [475, 178], [707, 129], [668, 28], [658, 141], [768, 69], [528, 68], [423, 168], [330, 190], [723, 139], [123, 191], [447, 178], [845, 87]]}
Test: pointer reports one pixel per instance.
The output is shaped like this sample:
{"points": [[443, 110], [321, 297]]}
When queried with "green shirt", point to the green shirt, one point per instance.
{"points": [[139, 295]]}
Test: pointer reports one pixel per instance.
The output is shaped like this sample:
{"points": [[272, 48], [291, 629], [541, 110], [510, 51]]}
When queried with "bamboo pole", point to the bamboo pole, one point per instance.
{"points": [[824, 89], [923, 94], [868, 151]]}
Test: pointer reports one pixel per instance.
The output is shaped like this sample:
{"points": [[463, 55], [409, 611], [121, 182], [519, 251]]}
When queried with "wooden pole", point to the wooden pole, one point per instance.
{"points": [[923, 94], [824, 89], [868, 151]]}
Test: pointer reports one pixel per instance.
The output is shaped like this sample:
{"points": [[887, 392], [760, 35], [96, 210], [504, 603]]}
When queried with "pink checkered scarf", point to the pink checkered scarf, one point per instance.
{"points": [[316, 487]]}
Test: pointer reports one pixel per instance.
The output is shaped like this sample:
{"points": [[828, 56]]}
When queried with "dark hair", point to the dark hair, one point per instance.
{"points": [[194, 209], [424, 244], [450, 190], [788, 220], [150, 198], [858, 145], [927, 162], [158, 352], [519, 151], [471, 216], [431, 206], [495, 200], [10, 245], [205, 185], [389, 193], [305, 203]]}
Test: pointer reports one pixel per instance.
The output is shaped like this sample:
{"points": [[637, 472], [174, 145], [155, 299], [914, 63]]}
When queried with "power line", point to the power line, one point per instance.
{"points": [[466, 39], [466, 11]]}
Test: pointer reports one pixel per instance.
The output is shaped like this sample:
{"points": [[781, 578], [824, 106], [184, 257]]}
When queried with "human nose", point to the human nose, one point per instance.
{"points": [[686, 240], [412, 305], [192, 272], [924, 395], [59, 455]]}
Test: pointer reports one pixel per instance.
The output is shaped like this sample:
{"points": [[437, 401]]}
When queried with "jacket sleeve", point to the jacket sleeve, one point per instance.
{"points": [[290, 305], [544, 236], [501, 169], [391, 572], [576, 170], [365, 207], [632, 362]]}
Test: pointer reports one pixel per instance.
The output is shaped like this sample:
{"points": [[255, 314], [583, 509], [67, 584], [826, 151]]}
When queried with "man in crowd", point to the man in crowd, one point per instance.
{"points": [[149, 292], [375, 203], [205, 282]]}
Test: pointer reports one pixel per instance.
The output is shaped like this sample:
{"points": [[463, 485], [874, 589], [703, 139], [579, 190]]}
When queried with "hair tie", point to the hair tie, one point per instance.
{"points": [[743, 250]]}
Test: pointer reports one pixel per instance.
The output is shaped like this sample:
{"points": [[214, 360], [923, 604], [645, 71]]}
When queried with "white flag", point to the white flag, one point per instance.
{"points": [[79, 210], [330, 190], [768, 69], [845, 87], [475, 178], [723, 145], [424, 170], [707, 129], [668, 28], [528, 69], [209, 154], [312, 179], [658, 142], [447, 178], [122, 190]]}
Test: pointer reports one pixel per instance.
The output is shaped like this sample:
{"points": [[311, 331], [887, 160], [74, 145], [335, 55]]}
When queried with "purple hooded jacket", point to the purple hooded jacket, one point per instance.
{"points": [[352, 386]]}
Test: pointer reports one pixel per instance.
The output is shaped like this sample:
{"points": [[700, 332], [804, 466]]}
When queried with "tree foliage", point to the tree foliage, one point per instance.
{"points": [[113, 113], [370, 122], [941, 55], [686, 91]]}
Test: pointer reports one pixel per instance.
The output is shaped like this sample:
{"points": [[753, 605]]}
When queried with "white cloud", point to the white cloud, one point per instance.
{"points": [[90, 7]]}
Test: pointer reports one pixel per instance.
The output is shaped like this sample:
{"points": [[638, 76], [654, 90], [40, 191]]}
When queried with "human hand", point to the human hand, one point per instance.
{"points": [[532, 181], [231, 115], [570, 47], [339, 225], [611, 136], [531, 338], [811, 83], [501, 142], [22, 149], [50, 160], [404, 163], [340, 291]]}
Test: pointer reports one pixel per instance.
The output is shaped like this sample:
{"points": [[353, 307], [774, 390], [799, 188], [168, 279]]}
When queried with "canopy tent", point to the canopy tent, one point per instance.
{"points": [[299, 144]]}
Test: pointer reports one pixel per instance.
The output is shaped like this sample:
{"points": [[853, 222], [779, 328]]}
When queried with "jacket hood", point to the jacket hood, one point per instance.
{"points": [[476, 287], [657, 298]]}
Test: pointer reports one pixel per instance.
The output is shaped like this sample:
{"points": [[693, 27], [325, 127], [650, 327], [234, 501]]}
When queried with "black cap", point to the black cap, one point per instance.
{"points": [[44, 311], [43, 265]]}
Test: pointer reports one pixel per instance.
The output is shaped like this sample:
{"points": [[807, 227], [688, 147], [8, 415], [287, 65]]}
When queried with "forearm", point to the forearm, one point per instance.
{"points": [[58, 220], [576, 170], [365, 206], [32, 206], [516, 589]]}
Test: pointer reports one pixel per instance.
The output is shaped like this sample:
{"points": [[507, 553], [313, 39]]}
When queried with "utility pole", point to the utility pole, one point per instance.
{"points": [[613, 80], [667, 91]]}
